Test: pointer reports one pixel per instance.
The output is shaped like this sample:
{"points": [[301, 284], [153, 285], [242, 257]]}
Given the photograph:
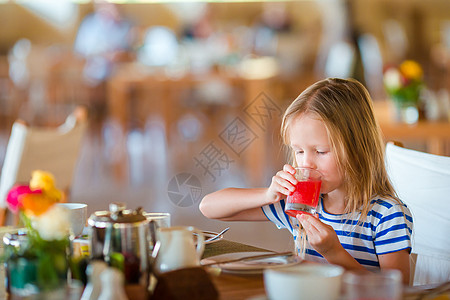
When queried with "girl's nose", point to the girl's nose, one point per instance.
{"points": [[308, 161]]}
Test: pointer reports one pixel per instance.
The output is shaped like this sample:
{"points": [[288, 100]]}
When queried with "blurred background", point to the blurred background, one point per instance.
{"points": [[186, 98]]}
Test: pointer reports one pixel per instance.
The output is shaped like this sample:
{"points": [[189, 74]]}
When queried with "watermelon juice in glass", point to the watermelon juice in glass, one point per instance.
{"points": [[306, 195]]}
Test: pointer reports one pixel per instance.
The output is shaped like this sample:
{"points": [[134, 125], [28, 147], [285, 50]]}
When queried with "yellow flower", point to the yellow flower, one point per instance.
{"points": [[411, 70], [41, 180]]}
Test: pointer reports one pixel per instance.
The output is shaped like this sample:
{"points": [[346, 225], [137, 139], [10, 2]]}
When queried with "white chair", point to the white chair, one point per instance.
{"points": [[422, 181], [40, 148]]}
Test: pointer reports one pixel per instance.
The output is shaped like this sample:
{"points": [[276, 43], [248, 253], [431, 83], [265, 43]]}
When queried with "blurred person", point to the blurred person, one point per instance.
{"points": [[18, 63], [104, 38], [276, 17], [273, 22], [335, 35], [201, 27]]}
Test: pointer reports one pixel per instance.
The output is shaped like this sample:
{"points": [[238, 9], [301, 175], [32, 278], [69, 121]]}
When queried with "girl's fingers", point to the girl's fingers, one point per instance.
{"points": [[285, 190], [314, 221], [290, 172], [308, 222], [284, 184], [288, 168], [287, 176], [280, 187]]}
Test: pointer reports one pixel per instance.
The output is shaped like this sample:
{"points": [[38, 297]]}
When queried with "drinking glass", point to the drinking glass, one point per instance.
{"points": [[306, 195], [156, 220], [161, 219], [385, 284]]}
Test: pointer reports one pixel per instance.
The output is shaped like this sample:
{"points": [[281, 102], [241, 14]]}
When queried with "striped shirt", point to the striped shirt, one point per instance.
{"points": [[387, 228]]}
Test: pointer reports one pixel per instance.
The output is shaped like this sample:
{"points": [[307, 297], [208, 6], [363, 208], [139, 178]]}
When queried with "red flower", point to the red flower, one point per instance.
{"points": [[14, 198]]}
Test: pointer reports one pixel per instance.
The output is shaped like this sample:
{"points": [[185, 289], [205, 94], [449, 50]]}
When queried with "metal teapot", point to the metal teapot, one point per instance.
{"points": [[121, 237]]}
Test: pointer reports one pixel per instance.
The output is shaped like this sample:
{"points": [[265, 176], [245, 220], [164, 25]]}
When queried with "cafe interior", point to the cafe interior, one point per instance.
{"points": [[154, 104]]}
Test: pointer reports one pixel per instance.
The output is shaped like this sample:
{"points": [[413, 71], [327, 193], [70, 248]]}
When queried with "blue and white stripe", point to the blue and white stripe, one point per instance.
{"points": [[387, 228]]}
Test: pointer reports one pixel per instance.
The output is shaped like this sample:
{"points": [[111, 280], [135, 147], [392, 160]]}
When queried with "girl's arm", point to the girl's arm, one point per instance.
{"points": [[234, 204], [396, 260]]}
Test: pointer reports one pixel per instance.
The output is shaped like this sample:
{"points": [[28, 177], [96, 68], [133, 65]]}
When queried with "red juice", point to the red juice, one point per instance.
{"points": [[304, 199]]}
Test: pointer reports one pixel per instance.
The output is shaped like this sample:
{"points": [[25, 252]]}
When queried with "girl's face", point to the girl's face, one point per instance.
{"points": [[309, 140]]}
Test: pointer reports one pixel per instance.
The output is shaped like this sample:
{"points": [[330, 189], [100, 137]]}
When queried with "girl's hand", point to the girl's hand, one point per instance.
{"points": [[321, 237], [283, 184]]}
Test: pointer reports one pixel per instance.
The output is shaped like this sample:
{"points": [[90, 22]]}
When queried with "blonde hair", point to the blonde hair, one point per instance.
{"points": [[345, 107]]}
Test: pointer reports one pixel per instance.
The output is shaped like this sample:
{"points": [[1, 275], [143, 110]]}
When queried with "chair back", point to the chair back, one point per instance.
{"points": [[55, 150], [422, 182]]}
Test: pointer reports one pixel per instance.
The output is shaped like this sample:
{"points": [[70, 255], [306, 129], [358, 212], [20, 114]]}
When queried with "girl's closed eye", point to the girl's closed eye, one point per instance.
{"points": [[320, 152]]}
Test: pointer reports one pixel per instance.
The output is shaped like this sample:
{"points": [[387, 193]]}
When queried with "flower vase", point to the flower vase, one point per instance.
{"points": [[30, 272], [406, 110]]}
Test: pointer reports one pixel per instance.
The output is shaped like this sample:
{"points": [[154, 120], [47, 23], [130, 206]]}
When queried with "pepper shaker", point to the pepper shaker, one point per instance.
{"points": [[112, 285], [94, 286]]}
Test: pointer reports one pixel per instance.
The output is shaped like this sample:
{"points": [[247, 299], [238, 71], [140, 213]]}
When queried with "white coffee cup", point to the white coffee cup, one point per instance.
{"points": [[78, 216]]}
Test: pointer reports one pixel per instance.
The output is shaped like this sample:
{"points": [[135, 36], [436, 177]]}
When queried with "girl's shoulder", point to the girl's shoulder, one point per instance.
{"points": [[387, 206], [387, 212]]}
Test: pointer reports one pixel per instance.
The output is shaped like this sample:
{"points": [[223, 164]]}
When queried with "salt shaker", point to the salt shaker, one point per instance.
{"points": [[94, 286], [112, 285]]}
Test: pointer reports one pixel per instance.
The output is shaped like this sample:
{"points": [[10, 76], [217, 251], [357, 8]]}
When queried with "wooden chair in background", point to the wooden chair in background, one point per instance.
{"points": [[422, 181], [55, 150]]}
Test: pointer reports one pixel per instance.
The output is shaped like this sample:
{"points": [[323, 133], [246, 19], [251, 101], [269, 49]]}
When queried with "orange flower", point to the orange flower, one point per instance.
{"points": [[36, 204], [411, 70]]}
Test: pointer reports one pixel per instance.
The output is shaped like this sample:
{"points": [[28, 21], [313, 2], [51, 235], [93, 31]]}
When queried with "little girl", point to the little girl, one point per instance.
{"points": [[360, 223]]}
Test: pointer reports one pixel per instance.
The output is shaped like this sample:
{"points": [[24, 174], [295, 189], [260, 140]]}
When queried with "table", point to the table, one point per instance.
{"points": [[239, 287], [232, 286], [236, 286], [435, 135]]}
